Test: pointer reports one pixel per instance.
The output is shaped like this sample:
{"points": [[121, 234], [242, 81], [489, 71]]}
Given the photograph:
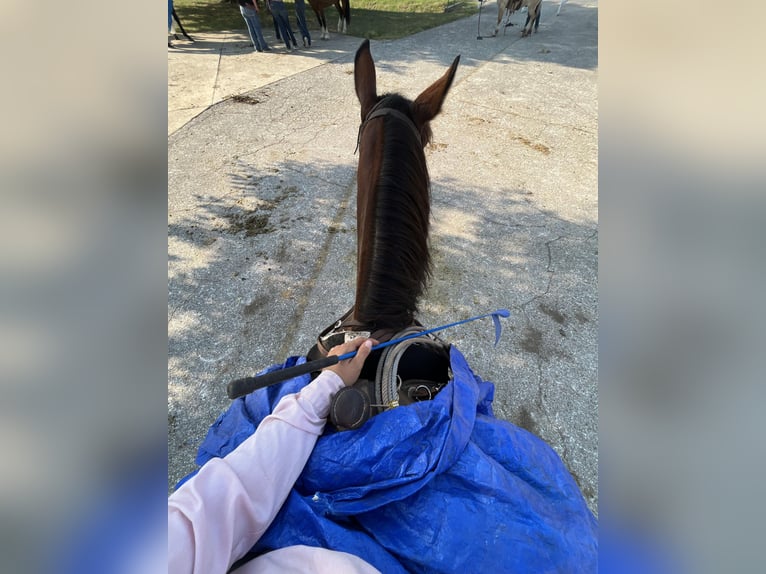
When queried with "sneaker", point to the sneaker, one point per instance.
{"points": [[267, 49]]}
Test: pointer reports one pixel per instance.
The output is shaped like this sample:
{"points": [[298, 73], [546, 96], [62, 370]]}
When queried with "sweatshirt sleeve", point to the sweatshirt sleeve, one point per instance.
{"points": [[220, 513]]}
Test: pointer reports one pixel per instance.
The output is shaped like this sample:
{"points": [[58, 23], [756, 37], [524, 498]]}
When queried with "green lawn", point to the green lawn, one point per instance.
{"points": [[375, 19]]}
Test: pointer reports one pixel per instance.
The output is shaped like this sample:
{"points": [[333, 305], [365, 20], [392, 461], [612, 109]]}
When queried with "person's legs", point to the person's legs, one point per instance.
{"points": [[279, 12], [276, 12], [286, 24], [170, 22], [289, 29], [300, 17], [256, 22], [247, 14]]}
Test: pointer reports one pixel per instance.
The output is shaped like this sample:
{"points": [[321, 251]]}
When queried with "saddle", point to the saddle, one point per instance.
{"points": [[407, 372]]}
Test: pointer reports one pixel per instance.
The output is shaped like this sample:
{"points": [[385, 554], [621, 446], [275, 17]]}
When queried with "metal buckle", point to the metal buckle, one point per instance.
{"points": [[351, 335]]}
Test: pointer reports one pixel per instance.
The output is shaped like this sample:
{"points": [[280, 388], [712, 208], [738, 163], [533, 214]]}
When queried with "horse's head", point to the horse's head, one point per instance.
{"points": [[425, 107], [393, 203]]}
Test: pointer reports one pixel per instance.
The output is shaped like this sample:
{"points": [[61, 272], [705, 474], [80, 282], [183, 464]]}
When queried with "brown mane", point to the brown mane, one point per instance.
{"points": [[394, 259], [393, 198]]}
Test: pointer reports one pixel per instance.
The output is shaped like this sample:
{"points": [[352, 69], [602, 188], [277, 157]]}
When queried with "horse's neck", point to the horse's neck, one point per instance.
{"points": [[392, 220], [382, 298]]}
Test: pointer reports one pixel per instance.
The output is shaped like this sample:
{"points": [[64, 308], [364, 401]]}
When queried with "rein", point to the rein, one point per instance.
{"points": [[379, 110]]}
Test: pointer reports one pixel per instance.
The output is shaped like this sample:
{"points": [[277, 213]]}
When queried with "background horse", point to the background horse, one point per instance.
{"points": [[344, 11], [534, 8], [504, 10], [507, 7]]}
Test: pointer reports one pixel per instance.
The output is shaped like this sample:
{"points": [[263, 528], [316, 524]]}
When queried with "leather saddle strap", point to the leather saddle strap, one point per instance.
{"points": [[346, 328]]}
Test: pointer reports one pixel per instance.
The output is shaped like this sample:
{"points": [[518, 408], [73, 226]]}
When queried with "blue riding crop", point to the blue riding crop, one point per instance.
{"points": [[244, 386]]}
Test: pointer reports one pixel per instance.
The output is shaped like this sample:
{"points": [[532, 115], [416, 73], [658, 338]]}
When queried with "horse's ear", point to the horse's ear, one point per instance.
{"points": [[429, 103], [364, 78]]}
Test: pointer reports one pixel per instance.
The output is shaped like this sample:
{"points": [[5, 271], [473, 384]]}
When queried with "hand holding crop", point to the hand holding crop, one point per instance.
{"points": [[349, 369]]}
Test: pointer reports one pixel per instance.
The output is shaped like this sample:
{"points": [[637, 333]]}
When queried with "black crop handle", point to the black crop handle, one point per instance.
{"points": [[246, 385]]}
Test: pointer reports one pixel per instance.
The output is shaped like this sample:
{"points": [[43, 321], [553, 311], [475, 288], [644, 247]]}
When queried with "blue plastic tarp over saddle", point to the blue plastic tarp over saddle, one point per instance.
{"points": [[437, 486]]}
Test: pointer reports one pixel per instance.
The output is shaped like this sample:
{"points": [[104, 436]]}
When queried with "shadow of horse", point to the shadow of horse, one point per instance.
{"points": [[505, 8]]}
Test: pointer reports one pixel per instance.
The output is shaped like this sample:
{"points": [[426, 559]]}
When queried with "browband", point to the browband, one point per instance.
{"points": [[379, 110]]}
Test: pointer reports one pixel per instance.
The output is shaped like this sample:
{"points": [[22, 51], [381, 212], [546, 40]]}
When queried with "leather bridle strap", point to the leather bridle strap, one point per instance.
{"points": [[378, 111]]}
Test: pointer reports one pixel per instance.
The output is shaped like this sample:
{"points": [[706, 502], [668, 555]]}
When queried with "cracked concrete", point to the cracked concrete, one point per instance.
{"points": [[262, 232]]}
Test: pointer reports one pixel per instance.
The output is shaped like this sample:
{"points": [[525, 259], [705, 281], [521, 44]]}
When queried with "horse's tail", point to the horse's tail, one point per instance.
{"points": [[346, 4]]}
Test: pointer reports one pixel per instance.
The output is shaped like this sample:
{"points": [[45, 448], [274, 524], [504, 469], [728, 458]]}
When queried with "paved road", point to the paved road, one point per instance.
{"points": [[218, 65], [261, 229]]}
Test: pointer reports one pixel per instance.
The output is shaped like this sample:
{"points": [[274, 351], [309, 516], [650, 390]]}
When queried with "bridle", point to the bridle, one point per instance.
{"points": [[380, 110]]}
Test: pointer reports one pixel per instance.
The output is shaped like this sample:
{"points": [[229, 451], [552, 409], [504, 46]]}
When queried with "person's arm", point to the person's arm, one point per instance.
{"points": [[221, 512]]}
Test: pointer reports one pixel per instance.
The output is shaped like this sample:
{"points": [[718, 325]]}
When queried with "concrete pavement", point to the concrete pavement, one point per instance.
{"points": [[261, 227], [218, 65]]}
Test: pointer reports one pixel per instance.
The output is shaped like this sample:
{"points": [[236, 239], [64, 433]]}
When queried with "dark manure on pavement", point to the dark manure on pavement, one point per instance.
{"points": [[243, 99], [252, 223]]}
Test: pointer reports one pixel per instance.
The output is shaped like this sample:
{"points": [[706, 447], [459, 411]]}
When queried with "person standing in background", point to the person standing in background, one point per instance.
{"points": [[279, 12], [300, 17], [170, 22], [249, 10]]}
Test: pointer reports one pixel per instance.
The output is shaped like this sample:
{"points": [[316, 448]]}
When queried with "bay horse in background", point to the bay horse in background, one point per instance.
{"points": [[393, 219], [507, 7], [344, 11]]}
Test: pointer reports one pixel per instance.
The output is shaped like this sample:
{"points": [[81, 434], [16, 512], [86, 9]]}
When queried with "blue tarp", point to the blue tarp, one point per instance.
{"points": [[437, 486]]}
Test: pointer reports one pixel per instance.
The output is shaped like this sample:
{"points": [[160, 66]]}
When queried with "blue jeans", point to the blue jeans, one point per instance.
{"points": [[300, 17], [254, 27], [279, 12]]}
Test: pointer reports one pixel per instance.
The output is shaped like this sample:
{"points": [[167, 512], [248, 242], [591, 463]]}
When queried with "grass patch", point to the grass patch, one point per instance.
{"points": [[374, 19]]}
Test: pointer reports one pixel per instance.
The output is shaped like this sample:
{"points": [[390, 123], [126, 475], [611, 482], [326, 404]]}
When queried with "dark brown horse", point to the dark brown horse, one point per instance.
{"points": [[344, 11], [393, 206], [393, 196], [393, 262]]}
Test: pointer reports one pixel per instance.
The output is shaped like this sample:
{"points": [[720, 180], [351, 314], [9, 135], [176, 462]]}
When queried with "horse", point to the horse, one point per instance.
{"points": [[393, 259], [504, 10], [344, 11], [507, 7]]}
